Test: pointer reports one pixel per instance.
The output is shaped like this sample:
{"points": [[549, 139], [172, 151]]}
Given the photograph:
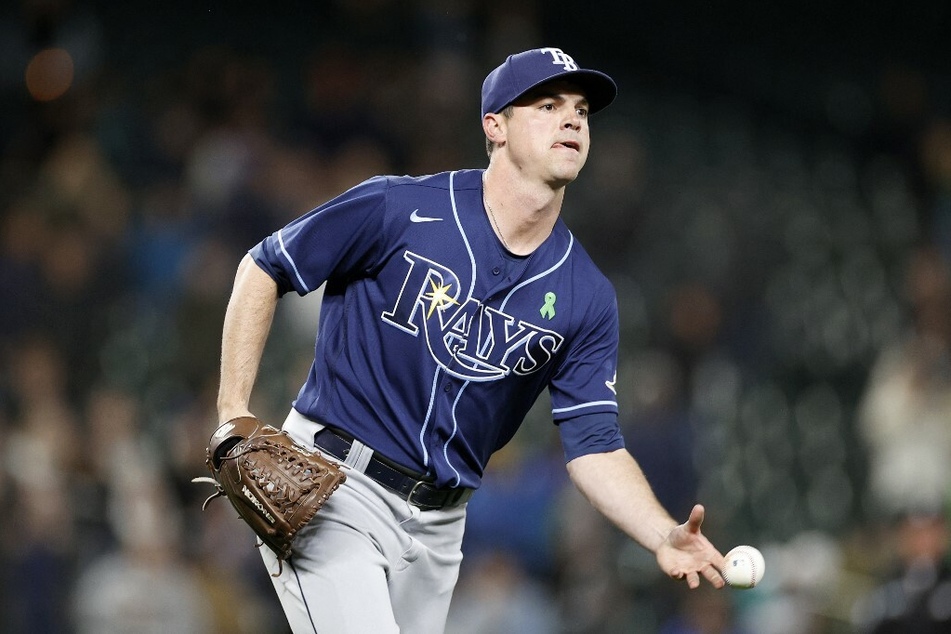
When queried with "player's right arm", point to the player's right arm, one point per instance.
{"points": [[246, 327], [615, 485]]}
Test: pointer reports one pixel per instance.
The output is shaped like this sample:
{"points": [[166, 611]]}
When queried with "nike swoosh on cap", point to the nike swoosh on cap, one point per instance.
{"points": [[415, 217]]}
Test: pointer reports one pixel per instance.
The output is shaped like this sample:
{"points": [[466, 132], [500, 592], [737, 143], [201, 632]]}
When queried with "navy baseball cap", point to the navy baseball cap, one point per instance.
{"points": [[521, 72]]}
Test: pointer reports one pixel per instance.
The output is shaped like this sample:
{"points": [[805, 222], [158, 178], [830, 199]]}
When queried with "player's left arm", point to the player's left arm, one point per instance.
{"points": [[616, 486]]}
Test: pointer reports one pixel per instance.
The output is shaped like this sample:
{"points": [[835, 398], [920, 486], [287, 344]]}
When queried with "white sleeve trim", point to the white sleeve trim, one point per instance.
{"points": [[562, 410], [280, 239]]}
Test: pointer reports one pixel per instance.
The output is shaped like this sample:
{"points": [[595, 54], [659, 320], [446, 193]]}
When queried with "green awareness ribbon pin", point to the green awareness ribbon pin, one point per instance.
{"points": [[548, 310]]}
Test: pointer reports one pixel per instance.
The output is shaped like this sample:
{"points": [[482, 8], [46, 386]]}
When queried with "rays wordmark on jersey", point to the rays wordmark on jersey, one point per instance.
{"points": [[467, 338]]}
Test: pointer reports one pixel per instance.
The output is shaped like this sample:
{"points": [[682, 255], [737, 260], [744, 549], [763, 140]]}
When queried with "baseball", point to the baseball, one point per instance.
{"points": [[744, 567]]}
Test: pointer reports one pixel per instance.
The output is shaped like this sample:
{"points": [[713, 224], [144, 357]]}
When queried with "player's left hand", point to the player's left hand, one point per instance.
{"points": [[687, 554]]}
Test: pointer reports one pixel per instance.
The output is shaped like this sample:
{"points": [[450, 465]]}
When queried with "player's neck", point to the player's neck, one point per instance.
{"points": [[522, 212]]}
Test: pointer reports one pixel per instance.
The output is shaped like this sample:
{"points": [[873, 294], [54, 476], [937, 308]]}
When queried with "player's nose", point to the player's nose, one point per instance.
{"points": [[572, 121]]}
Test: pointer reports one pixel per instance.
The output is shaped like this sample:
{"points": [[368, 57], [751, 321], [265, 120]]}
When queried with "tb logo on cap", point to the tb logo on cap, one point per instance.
{"points": [[560, 57]]}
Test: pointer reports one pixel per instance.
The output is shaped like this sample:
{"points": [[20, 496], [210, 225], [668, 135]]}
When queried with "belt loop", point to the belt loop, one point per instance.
{"points": [[359, 456]]}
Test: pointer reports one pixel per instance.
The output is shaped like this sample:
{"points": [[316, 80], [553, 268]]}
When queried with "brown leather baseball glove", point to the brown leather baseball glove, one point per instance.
{"points": [[276, 485]]}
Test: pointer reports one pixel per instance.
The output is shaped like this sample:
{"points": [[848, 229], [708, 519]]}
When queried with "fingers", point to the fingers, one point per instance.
{"points": [[713, 575], [709, 572], [696, 518], [693, 581], [692, 578], [701, 551]]}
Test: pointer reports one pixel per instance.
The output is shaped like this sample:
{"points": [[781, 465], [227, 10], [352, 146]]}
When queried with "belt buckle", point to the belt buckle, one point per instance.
{"points": [[412, 492]]}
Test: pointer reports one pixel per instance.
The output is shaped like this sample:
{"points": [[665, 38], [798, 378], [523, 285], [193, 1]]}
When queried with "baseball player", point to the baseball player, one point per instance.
{"points": [[451, 301]]}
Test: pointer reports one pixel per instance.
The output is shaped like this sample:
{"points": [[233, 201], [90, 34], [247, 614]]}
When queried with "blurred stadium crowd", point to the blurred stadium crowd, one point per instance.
{"points": [[783, 277]]}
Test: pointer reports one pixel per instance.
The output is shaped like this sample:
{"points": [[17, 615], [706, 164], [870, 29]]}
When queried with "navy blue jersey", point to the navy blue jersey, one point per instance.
{"points": [[434, 342]]}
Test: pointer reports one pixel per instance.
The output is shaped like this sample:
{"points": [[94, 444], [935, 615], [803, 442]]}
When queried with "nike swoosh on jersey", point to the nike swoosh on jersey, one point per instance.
{"points": [[415, 217]]}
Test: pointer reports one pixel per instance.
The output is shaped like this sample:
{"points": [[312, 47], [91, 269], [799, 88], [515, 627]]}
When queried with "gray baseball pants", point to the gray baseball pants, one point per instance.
{"points": [[369, 561]]}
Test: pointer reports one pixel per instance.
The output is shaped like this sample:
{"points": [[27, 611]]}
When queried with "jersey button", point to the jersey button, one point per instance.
{"points": [[496, 271], [447, 387]]}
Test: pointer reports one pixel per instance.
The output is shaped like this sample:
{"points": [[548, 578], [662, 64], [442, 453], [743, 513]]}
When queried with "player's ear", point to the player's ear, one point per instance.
{"points": [[494, 127]]}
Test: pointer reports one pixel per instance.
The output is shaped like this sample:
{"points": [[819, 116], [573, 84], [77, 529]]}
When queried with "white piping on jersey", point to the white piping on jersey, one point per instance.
{"points": [[462, 233], [554, 267], [280, 240], [562, 410], [432, 395], [429, 412], [455, 428]]}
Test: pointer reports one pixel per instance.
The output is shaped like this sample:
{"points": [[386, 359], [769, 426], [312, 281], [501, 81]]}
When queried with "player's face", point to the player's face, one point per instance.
{"points": [[548, 134]]}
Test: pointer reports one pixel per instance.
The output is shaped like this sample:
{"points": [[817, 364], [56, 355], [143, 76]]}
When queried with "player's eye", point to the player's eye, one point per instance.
{"points": [[582, 112]]}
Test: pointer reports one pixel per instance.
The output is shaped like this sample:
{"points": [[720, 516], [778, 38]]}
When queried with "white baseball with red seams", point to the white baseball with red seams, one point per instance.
{"points": [[744, 567]]}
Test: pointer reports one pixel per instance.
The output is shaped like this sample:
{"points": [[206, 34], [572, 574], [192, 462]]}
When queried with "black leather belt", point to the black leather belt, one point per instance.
{"points": [[414, 488]]}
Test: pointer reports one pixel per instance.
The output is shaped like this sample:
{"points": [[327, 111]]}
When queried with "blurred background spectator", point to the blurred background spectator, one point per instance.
{"points": [[915, 596], [771, 197]]}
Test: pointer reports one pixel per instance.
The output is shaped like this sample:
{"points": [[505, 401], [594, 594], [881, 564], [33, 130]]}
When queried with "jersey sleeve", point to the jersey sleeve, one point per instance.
{"points": [[592, 433], [339, 238], [583, 394]]}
